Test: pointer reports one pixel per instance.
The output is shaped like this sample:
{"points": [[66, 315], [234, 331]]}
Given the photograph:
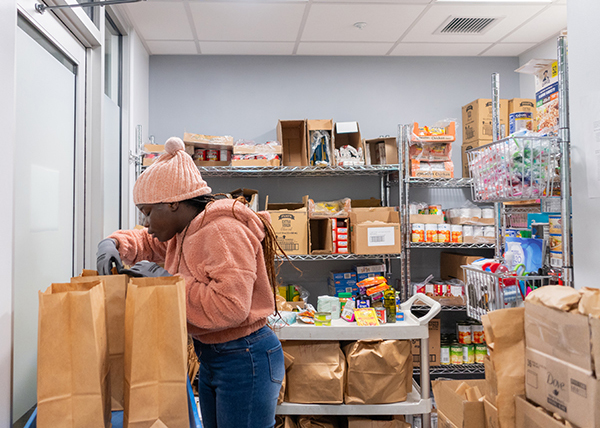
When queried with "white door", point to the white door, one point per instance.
{"points": [[49, 181]]}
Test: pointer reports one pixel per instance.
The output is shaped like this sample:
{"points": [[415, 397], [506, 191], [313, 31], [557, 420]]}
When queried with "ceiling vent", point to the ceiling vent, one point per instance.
{"points": [[467, 25]]}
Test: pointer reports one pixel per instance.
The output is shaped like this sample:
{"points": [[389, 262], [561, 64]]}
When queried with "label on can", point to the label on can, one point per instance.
{"points": [[381, 314], [468, 354], [464, 333], [435, 209], [444, 234], [519, 121], [418, 232], [456, 353], [478, 334], [480, 353], [445, 355], [212, 155], [456, 232], [431, 233]]}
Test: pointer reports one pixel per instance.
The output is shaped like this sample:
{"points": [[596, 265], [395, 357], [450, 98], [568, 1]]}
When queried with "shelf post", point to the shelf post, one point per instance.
{"points": [[496, 136], [565, 160], [425, 381]]}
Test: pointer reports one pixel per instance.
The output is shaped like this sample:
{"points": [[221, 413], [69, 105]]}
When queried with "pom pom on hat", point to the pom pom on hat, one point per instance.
{"points": [[172, 178]]}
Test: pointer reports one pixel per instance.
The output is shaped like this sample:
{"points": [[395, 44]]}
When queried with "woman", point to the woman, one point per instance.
{"points": [[225, 252]]}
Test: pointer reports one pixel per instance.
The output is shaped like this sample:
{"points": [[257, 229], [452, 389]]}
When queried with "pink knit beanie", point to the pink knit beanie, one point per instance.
{"points": [[172, 178]]}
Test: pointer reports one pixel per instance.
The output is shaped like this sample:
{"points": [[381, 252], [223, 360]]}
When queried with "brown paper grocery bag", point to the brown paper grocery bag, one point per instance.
{"points": [[377, 422], [379, 371], [317, 374], [288, 360], [505, 334], [73, 383], [115, 288], [318, 422], [285, 422], [156, 354]]}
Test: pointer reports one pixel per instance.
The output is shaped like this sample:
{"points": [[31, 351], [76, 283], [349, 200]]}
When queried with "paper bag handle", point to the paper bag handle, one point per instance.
{"points": [[435, 307]]}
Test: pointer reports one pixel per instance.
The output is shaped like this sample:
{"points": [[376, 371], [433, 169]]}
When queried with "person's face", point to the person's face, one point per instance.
{"points": [[162, 220]]}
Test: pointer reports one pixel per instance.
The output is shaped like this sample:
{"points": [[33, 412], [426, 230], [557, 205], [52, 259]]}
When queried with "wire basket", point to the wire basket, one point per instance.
{"points": [[514, 169], [487, 291]]}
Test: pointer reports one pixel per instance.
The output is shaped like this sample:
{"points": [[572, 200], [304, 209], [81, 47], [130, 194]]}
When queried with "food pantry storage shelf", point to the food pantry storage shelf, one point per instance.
{"points": [[295, 171], [318, 257], [439, 182], [445, 308], [448, 245], [454, 369]]}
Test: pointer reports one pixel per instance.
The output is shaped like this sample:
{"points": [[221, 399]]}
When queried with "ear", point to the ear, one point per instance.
{"points": [[173, 206]]}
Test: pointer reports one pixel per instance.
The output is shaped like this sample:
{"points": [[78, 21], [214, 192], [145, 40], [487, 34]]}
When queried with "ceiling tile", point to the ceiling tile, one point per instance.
{"points": [[170, 47], [159, 20], [247, 48], [439, 49], [545, 25], [375, 1], [343, 49], [276, 22], [330, 22], [512, 16], [508, 49]]}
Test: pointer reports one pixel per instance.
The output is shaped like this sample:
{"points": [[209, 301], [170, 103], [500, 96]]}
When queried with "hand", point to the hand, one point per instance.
{"points": [[106, 255], [145, 269]]}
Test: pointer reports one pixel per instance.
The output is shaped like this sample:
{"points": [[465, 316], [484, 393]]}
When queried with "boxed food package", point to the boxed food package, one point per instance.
{"points": [[527, 105], [348, 144], [381, 151], [477, 120], [320, 142], [431, 169], [434, 345], [446, 132], [209, 150], [327, 209], [151, 153], [368, 271], [340, 235], [250, 153], [292, 136], [546, 96], [454, 409], [290, 223], [375, 231]]}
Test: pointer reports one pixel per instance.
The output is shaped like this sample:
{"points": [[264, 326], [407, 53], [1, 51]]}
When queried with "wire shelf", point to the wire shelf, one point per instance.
{"points": [[320, 257], [448, 245], [453, 369], [514, 169], [439, 182], [295, 171], [445, 308]]}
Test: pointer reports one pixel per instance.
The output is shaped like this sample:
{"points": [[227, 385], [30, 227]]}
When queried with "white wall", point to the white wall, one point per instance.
{"points": [[547, 50], [585, 146], [8, 27]]}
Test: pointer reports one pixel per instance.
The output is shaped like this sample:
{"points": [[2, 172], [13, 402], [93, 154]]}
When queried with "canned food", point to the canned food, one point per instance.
{"points": [[322, 318], [418, 232], [435, 209], [212, 155], [480, 353], [467, 231], [224, 155], [200, 154], [520, 121], [381, 314], [468, 354], [456, 232], [431, 233], [463, 331], [444, 234], [456, 353], [445, 354], [478, 336]]}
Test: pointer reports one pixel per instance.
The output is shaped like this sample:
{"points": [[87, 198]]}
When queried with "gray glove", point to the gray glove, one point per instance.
{"points": [[145, 269], [106, 255]]}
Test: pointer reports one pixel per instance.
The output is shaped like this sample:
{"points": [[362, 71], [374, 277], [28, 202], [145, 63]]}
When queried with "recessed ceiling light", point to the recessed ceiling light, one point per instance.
{"points": [[494, 1]]}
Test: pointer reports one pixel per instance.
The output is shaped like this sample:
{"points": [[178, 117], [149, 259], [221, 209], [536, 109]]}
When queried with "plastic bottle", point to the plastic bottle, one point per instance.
{"points": [[389, 303]]}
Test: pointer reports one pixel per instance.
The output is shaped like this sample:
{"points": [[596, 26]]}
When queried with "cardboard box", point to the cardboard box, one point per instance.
{"points": [[347, 134], [426, 218], [369, 268], [443, 421], [250, 195], [465, 160], [491, 380], [365, 203], [562, 388], [475, 221], [477, 120], [212, 142], [531, 416], [456, 410], [325, 126], [523, 104], [254, 162], [375, 231], [567, 336], [381, 151], [211, 163], [479, 240], [434, 345], [292, 136], [431, 169], [450, 265], [152, 153], [290, 223], [380, 422], [258, 149], [449, 134], [491, 415], [320, 238]]}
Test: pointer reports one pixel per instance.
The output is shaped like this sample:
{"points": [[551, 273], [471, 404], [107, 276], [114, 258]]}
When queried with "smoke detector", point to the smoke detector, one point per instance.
{"points": [[360, 25]]}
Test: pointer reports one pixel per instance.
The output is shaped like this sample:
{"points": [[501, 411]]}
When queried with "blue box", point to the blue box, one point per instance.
{"points": [[342, 275], [369, 268], [347, 287], [117, 417]]}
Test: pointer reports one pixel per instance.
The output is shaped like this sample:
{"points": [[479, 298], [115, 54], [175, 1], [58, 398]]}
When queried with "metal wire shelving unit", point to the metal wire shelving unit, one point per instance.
{"points": [[453, 369], [448, 245], [295, 171], [322, 257]]}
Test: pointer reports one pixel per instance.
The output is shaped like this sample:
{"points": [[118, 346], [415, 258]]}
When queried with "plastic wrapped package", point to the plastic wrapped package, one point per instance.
{"points": [[339, 208], [320, 148], [349, 156]]}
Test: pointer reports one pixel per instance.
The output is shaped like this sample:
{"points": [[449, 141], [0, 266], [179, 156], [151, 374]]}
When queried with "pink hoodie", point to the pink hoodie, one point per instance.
{"points": [[228, 291]]}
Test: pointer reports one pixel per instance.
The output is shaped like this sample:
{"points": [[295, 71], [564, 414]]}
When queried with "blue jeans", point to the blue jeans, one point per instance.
{"points": [[239, 381]]}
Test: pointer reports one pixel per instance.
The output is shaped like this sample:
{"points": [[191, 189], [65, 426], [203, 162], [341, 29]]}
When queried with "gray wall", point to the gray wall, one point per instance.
{"points": [[245, 96]]}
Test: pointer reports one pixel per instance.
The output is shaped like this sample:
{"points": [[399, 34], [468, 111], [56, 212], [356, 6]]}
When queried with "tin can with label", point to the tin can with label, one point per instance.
{"points": [[322, 318], [212, 155], [435, 210], [480, 353], [444, 232], [431, 233], [445, 353], [456, 231], [418, 232], [478, 336], [520, 121], [456, 353], [468, 356], [381, 314], [224, 155], [200, 154], [463, 332]]}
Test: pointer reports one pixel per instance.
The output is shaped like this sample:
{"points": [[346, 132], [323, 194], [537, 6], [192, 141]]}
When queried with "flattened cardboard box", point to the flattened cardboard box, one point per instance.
{"points": [[530, 416], [375, 231], [434, 345], [562, 388], [290, 223], [456, 409]]}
